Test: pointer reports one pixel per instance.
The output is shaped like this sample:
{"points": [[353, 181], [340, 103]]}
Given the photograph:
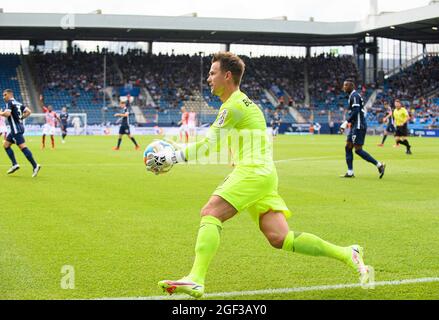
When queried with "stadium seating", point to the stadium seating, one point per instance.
{"points": [[73, 81], [174, 81], [412, 86], [8, 74]]}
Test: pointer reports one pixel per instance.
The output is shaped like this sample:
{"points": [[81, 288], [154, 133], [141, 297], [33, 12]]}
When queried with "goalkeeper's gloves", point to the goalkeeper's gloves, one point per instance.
{"points": [[163, 161], [344, 126]]}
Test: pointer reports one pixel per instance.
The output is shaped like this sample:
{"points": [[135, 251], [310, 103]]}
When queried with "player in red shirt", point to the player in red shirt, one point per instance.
{"points": [[184, 125], [49, 127], [192, 124]]}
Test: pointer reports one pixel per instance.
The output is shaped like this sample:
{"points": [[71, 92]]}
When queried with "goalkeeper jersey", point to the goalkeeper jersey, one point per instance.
{"points": [[240, 128]]}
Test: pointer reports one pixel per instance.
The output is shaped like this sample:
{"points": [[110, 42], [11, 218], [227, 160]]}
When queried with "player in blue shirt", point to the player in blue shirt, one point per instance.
{"points": [[358, 129], [64, 117], [125, 126], [275, 123], [15, 112], [390, 123]]}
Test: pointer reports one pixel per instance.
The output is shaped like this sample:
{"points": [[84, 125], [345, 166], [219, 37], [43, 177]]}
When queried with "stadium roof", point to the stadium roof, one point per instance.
{"points": [[416, 25]]}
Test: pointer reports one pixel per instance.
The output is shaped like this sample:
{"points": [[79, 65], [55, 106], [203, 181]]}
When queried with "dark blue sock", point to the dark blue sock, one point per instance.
{"points": [[29, 157], [349, 158], [366, 157], [118, 142], [134, 141], [11, 155]]}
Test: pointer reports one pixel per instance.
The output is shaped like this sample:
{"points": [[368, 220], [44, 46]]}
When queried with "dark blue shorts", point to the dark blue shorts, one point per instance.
{"points": [[357, 137], [15, 138], [124, 130]]}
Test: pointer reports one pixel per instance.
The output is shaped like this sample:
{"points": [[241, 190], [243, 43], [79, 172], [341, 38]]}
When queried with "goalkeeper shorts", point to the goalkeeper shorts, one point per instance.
{"points": [[253, 189]]}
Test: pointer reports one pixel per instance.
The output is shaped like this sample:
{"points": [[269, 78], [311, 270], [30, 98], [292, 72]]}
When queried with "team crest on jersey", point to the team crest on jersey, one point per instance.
{"points": [[222, 118]]}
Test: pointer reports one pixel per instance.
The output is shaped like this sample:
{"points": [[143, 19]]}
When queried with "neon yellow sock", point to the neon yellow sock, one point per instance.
{"points": [[312, 245], [208, 241]]}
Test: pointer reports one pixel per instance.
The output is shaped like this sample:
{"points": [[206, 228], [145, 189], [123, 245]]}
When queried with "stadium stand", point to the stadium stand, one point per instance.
{"points": [[74, 81], [8, 74], [174, 81], [417, 87]]}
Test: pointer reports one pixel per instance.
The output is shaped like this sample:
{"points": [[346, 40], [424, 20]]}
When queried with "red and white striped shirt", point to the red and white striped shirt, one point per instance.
{"points": [[50, 117]]}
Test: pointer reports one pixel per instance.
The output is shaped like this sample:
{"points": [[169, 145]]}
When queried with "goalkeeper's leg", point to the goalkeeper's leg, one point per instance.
{"points": [[216, 211], [276, 229]]}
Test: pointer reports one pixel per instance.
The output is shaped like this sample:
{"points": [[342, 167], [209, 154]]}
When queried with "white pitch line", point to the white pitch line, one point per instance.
{"points": [[140, 163], [303, 159], [283, 291]]}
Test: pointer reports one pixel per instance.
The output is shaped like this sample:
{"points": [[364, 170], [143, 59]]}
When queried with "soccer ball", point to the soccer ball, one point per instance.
{"points": [[155, 147]]}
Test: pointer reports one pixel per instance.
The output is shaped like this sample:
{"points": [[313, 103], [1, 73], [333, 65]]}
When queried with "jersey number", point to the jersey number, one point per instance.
{"points": [[247, 102], [20, 114]]}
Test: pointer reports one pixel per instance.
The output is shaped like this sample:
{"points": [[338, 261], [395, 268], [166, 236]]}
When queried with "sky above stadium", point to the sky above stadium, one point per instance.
{"points": [[320, 10]]}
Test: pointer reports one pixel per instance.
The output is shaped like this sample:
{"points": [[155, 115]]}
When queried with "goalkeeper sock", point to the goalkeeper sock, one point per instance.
{"points": [[311, 245], [208, 241], [119, 141]]}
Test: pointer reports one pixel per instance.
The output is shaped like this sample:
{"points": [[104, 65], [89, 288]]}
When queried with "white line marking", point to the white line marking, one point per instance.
{"points": [[140, 163], [303, 159], [282, 291], [87, 165]]}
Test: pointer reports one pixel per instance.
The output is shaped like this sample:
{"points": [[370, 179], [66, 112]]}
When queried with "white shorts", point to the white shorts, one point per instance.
{"points": [[48, 130], [184, 128], [3, 129], [191, 125]]}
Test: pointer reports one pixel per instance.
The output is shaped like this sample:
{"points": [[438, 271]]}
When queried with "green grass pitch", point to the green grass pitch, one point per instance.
{"points": [[123, 229]]}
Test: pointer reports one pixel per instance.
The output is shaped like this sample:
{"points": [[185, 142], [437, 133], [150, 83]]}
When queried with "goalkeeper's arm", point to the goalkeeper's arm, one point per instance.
{"points": [[216, 138], [162, 161]]}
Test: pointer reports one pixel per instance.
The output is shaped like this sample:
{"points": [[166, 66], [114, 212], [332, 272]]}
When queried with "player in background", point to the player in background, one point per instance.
{"points": [[184, 125], [64, 117], [358, 129], [15, 112], [402, 118], [192, 124], [317, 127], [125, 126], [3, 128], [275, 123], [390, 123], [76, 123], [50, 126], [251, 187]]}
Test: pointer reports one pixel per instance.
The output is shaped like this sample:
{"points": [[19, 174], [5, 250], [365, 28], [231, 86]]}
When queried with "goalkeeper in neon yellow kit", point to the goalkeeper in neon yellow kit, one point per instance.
{"points": [[251, 187]]}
